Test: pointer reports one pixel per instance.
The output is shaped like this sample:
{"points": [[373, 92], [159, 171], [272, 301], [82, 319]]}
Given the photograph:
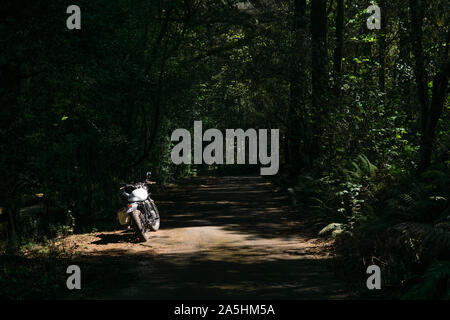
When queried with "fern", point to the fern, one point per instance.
{"points": [[365, 168], [435, 236], [434, 284], [368, 166], [408, 200]]}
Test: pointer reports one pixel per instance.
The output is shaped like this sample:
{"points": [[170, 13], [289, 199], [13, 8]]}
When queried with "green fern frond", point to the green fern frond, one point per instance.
{"points": [[407, 199], [358, 172], [434, 284], [428, 234]]}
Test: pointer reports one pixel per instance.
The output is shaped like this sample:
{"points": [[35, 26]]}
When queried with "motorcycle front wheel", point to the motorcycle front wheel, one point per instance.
{"points": [[138, 219], [156, 221]]}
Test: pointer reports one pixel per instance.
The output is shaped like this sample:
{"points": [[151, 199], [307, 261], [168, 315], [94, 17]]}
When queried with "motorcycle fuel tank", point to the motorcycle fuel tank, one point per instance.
{"points": [[140, 193]]}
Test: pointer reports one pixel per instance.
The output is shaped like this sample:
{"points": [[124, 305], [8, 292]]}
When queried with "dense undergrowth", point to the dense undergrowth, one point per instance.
{"points": [[36, 271], [400, 222]]}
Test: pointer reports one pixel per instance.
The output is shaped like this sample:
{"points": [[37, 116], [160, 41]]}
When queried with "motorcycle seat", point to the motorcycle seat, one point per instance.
{"points": [[134, 199]]}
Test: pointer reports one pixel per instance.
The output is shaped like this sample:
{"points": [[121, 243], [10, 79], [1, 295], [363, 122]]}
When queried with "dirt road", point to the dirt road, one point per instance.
{"points": [[222, 237]]}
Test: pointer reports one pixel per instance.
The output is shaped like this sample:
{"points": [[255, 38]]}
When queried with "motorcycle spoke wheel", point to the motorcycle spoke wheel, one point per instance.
{"points": [[141, 230]]}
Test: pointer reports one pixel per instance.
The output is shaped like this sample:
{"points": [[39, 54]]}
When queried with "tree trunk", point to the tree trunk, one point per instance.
{"points": [[12, 234], [430, 114], [338, 50], [320, 93], [298, 89], [382, 46], [440, 91], [419, 60], [403, 81]]}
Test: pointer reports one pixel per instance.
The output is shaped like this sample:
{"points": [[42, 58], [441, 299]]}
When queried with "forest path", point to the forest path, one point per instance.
{"points": [[220, 237]]}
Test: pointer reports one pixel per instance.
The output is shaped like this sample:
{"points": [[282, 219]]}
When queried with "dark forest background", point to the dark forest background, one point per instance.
{"points": [[363, 115]]}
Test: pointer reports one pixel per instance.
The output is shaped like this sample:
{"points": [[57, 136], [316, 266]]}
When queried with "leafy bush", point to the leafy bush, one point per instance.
{"points": [[405, 232]]}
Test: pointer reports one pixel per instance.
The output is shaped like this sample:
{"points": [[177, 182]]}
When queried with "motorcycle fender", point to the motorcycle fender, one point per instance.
{"points": [[132, 207]]}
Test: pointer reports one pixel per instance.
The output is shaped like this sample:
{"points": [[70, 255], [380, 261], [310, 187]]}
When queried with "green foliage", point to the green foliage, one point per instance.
{"points": [[407, 230], [428, 236], [435, 283]]}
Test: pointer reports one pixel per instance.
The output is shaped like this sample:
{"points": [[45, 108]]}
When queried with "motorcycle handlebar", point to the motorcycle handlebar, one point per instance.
{"points": [[127, 185]]}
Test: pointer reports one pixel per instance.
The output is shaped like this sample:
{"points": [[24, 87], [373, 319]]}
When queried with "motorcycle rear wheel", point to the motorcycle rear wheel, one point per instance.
{"points": [[138, 218]]}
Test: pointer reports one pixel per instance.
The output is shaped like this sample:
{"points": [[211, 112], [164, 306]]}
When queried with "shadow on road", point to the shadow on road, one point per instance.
{"points": [[242, 204], [195, 276]]}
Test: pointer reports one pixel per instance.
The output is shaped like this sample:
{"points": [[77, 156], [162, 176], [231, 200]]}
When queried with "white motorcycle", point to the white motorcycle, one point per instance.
{"points": [[140, 212]]}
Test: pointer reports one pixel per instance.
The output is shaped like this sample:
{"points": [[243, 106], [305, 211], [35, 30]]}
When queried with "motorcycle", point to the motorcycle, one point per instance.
{"points": [[140, 213]]}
